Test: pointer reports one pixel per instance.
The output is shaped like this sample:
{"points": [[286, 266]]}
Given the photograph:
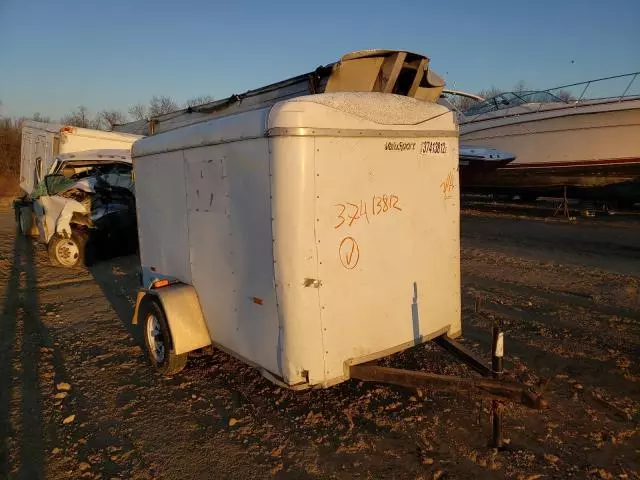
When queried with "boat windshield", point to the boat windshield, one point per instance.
{"points": [[511, 99]]}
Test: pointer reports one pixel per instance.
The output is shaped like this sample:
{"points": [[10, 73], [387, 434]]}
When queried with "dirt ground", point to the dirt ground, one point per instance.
{"points": [[78, 400]]}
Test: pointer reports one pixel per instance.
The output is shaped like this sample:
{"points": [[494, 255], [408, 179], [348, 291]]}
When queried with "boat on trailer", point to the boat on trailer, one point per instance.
{"points": [[589, 147]]}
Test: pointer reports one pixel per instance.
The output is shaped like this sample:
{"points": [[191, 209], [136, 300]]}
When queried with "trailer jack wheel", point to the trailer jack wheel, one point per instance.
{"points": [[157, 338]]}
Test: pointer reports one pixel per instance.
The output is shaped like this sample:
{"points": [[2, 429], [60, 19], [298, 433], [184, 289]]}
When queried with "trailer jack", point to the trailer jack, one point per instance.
{"points": [[490, 385]]}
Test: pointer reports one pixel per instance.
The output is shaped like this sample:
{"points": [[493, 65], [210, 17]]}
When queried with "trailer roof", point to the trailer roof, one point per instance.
{"points": [[381, 108], [336, 114]]}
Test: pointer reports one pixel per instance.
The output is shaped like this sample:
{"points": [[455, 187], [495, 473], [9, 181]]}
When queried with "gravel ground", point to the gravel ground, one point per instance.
{"points": [[78, 400]]}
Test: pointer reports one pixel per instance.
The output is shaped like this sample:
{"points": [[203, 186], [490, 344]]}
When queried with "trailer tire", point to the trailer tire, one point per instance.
{"points": [[67, 252], [157, 337]]}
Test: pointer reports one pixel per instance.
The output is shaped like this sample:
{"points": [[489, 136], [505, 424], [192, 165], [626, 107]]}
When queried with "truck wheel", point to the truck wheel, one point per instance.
{"points": [[20, 221], [67, 252], [157, 338]]}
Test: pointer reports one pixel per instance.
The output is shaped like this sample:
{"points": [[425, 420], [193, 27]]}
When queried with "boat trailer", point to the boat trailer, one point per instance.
{"points": [[490, 384]]}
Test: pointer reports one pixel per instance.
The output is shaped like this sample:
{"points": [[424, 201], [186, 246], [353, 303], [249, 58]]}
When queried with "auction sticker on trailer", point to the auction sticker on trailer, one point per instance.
{"points": [[433, 147]]}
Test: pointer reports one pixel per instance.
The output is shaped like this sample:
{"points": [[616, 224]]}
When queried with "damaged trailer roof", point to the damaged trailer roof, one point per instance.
{"points": [[386, 71]]}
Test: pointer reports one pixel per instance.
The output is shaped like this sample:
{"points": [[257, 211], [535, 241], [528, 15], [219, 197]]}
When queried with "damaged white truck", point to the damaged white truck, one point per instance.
{"points": [[77, 192]]}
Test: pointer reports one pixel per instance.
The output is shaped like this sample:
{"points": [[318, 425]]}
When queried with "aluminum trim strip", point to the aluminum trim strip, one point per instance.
{"points": [[345, 132]]}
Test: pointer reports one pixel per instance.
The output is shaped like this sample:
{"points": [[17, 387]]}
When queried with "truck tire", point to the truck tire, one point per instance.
{"points": [[67, 252], [157, 337], [21, 220]]}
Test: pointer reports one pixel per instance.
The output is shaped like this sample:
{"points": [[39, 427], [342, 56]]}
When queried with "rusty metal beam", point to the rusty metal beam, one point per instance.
{"points": [[503, 390], [395, 72], [420, 72], [464, 354]]}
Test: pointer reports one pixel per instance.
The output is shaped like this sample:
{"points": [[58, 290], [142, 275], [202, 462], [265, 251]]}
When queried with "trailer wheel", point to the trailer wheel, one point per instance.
{"points": [[67, 252], [157, 338]]}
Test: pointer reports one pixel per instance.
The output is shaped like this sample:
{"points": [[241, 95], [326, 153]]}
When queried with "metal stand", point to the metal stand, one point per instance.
{"points": [[491, 384], [564, 203]]}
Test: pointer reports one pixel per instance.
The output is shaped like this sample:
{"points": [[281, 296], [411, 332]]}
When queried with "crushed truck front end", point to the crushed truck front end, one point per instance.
{"points": [[83, 208]]}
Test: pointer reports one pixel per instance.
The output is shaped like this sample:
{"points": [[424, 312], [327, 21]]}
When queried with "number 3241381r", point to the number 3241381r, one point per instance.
{"points": [[349, 213]]}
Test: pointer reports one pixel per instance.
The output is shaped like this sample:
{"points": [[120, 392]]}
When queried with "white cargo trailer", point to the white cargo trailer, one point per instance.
{"points": [[304, 237]]}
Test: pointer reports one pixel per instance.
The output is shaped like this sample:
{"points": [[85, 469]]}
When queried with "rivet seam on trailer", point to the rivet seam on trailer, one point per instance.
{"points": [[323, 328]]}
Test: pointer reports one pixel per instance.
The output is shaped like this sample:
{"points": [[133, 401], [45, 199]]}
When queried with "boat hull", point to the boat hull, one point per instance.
{"points": [[593, 150], [476, 162]]}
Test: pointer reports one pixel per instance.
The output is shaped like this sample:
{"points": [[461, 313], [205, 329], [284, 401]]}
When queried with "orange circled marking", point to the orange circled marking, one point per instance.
{"points": [[349, 253]]}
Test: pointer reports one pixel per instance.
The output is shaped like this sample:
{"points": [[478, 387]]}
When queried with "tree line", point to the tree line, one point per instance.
{"points": [[107, 119], [10, 134]]}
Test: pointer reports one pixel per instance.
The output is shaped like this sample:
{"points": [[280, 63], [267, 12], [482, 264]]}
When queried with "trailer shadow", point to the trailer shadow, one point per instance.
{"points": [[117, 277], [22, 452]]}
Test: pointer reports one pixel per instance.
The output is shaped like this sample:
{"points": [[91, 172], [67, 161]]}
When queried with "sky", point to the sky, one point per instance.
{"points": [[56, 55]]}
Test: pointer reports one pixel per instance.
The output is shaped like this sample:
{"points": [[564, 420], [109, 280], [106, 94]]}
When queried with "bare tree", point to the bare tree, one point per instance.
{"points": [[490, 92], [40, 118], [160, 105], [79, 118], [464, 103], [108, 118], [565, 95], [10, 139], [138, 111], [520, 87], [199, 100]]}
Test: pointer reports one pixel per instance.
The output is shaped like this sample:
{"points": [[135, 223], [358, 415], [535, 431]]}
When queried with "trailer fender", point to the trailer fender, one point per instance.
{"points": [[183, 313]]}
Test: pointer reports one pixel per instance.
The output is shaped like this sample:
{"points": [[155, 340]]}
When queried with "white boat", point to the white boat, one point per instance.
{"points": [[591, 146], [476, 161]]}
